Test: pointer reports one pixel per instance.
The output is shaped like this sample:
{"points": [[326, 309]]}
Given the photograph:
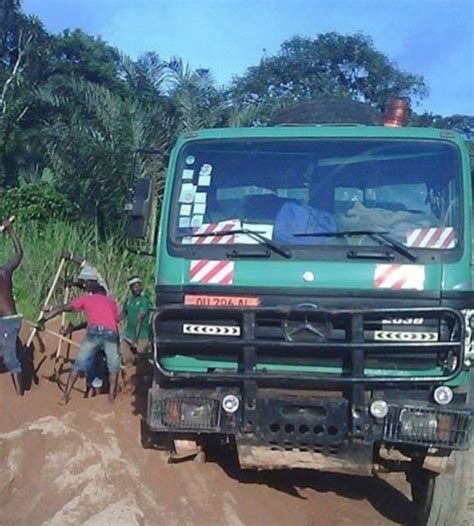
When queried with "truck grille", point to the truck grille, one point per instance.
{"points": [[358, 345]]}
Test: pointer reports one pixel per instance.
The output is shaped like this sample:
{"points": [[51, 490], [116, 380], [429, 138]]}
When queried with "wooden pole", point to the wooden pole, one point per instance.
{"points": [[63, 321], [48, 299], [53, 333]]}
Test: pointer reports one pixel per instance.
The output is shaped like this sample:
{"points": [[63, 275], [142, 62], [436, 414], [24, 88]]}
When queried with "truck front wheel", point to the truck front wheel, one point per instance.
{"points": [[446, 499]]}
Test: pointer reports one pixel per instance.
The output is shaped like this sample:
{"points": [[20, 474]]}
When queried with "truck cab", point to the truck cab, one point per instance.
{"points": [[315, 303]]}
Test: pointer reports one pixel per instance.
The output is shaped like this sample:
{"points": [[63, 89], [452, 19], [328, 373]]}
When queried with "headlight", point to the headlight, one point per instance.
{"points": [[418, 425], [379, 408], [230, 403], [189, 412], [469, 341], [443, 395]]}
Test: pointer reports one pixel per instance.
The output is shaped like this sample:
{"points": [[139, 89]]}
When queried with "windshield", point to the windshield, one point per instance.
{"points": [[298, 192]]}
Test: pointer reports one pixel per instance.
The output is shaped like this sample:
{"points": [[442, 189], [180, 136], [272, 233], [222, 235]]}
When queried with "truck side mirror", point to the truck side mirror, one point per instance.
{"points": [[140, 208]]}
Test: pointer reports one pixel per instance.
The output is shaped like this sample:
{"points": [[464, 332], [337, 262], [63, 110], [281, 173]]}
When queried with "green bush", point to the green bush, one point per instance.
{"points": [[38, 201]]}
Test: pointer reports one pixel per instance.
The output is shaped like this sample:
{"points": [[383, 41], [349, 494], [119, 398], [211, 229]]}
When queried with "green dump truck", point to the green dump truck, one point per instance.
{"points": [[315, 303]]}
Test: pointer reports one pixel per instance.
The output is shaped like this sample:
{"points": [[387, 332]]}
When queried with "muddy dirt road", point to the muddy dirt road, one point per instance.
{"points": [[84, 465]]}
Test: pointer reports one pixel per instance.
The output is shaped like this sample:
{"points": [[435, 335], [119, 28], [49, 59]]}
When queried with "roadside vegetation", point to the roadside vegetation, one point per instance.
{"points": [[73, 109], [44, 244]]}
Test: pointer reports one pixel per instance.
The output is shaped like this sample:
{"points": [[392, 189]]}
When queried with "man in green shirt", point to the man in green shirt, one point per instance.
{"points": [[136, 337]]}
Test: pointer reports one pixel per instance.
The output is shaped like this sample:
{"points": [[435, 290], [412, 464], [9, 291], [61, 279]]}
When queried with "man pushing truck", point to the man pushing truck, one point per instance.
{"points": [[102, 315]]}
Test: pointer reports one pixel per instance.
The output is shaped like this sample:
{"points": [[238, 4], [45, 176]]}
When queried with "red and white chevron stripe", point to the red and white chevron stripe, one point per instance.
{"points": [[443, 238], [209, 228], [399, 277], [211, 272]]}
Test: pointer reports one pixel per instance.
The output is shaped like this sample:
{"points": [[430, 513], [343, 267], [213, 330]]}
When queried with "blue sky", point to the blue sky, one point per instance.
{"points": [[433, 38]]}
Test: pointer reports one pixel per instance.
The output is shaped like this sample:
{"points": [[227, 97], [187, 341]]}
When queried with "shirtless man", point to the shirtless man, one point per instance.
{"points": [[10, 320]]}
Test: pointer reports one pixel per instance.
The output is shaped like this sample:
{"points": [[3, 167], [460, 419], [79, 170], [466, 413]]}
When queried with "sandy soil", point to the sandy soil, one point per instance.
{"points": [[84, 464]]}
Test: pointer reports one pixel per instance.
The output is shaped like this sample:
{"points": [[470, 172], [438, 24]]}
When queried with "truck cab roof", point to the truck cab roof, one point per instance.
{"points": [[322, 131]]}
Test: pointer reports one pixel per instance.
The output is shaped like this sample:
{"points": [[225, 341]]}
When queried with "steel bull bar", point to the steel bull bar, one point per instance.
{"points": [[241, 333], [349, 334]]}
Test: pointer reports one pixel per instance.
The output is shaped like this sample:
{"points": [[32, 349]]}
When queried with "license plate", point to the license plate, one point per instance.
{"points": [[221, 301]]}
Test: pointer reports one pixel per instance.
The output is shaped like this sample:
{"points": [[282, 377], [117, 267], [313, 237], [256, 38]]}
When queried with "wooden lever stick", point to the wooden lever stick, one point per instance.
{"points": [[53, 333], [48, 299]]}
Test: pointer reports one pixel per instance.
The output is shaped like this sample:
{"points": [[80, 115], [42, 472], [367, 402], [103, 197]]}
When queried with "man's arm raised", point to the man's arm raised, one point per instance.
{"points": [[11, 265]]}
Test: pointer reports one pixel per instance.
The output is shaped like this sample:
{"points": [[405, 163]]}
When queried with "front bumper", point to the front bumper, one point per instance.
{"points": [[329, 426]]}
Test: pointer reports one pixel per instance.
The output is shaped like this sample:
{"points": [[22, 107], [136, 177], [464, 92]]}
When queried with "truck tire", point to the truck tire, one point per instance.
{"points": [[446, 499], [328, 110]]}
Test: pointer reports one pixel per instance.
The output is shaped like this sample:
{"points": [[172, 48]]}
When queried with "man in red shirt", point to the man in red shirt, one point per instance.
{"points": [[102, 313]]}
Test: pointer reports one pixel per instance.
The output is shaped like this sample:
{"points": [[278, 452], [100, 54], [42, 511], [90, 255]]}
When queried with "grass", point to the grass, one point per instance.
{"points": [[43, 246]]}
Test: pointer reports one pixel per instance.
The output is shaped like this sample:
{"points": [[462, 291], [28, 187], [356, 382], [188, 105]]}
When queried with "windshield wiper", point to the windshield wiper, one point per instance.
{"points": [[252, 233], [379, 235]]}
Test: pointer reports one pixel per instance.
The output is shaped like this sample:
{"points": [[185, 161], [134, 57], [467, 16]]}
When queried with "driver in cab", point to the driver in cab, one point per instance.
{"points": [[306, 218]]}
